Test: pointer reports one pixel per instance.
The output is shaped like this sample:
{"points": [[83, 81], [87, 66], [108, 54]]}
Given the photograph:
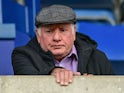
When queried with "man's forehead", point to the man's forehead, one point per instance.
{"points": [[57, 25]]}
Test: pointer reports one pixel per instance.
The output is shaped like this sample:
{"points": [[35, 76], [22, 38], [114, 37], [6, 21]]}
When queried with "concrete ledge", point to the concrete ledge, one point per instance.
{"points": [[46, 84]]}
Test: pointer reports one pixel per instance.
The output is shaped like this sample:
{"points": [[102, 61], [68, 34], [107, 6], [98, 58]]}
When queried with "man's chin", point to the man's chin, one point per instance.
{"points": [[58, 56], [57, 53]]}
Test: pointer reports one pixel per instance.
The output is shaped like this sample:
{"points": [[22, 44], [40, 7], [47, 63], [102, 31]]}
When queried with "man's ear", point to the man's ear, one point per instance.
{"points": [[38, 34], [74, 32]]}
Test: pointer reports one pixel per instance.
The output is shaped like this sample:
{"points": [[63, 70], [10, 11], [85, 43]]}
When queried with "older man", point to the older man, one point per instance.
{"points": [[59, 50]]}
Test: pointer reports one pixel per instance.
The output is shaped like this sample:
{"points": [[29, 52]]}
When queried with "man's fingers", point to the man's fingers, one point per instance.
{"points": [[85, 74], [90, 74], [70, 76], [57, 77], [62, 77], [56, 73], [66, 78], [77, 74]]}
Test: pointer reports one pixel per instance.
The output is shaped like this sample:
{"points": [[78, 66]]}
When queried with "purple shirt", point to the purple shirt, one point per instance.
{"points": [[70, 61]]}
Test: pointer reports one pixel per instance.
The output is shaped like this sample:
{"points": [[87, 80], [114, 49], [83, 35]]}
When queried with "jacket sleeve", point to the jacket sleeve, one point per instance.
{"points": [[26, 62], [99, 64], [103, 63]]}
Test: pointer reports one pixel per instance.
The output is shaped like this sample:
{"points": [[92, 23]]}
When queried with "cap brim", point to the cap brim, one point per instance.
{"points": [[57, 22]]}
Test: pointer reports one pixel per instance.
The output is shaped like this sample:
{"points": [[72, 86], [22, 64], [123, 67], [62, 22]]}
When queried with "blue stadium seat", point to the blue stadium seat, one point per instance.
{"points": [[8, 41], [103, 16], [14, 13], [7, 44], [21, 39], [7, 31], [109, 38], [118, 66], [81, 4], [6, 47]]}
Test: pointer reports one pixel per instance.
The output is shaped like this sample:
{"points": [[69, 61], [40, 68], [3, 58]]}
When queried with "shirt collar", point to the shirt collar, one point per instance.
{"points": [[73, 52]]}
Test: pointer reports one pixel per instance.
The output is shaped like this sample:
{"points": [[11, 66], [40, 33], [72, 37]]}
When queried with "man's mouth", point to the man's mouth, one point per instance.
{"points": [[57, 46]]}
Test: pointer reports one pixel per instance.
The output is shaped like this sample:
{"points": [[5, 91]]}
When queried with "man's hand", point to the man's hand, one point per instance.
{"points": [[64, 76]]}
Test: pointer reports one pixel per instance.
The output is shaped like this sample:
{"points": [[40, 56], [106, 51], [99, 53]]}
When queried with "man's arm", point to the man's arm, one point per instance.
{"points": [[105, 65], [22, 65], [26, 61]]}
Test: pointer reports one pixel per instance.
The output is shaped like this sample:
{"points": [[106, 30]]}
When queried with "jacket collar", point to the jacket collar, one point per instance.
{"points": [[85, 47]]}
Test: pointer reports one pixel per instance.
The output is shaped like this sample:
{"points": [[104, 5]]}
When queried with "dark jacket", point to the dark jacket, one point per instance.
{"points": [[32, 60]]}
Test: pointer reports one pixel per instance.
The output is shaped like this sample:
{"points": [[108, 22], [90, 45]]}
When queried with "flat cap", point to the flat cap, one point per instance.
{"points": [[55, 14]]}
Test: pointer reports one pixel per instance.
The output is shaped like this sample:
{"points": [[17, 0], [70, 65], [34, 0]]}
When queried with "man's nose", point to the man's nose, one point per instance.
{"points": [[57, 35]]}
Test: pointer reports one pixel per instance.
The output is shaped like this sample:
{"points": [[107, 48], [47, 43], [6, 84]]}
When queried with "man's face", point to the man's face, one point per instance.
{"points": [[57, 38]]}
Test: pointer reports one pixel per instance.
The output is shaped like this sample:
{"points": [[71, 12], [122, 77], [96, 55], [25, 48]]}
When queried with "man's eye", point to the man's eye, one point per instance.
{"points": [[48, 31], [62, 30]]}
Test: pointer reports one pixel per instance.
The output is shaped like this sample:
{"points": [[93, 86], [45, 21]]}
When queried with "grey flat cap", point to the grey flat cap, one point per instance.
{"points": [[55, 14]]}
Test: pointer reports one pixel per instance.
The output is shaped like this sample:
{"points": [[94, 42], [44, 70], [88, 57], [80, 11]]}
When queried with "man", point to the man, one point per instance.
{"points": [[59, 50]]}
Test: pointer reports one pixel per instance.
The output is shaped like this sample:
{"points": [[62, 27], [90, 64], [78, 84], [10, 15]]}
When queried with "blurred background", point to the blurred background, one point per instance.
{"points": [[102, 20]]}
